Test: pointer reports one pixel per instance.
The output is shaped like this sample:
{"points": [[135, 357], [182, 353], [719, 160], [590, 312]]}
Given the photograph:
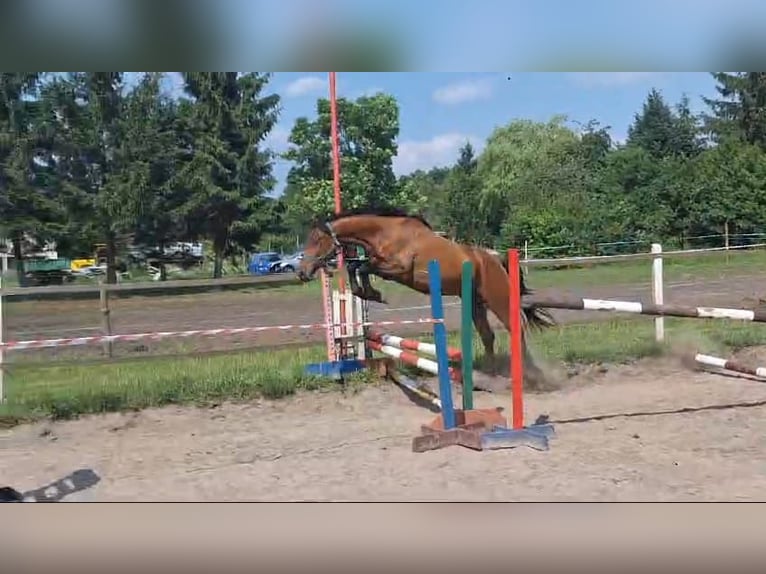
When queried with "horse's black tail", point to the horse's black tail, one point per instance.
{"points": [[535, 316]]}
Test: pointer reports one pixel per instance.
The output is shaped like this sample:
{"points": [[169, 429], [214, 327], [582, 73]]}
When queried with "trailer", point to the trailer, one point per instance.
{"points": [[46, 272]]}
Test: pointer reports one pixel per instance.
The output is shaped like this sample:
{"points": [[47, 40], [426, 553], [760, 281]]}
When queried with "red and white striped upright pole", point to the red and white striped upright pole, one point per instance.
{"points": [[338, 206]]}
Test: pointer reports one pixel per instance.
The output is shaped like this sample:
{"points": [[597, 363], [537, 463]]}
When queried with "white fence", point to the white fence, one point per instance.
{"points": [[728, 241]]}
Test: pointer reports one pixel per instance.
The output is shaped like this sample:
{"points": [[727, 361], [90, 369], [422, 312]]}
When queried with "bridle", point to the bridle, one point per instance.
{"points": [[337, 246]]}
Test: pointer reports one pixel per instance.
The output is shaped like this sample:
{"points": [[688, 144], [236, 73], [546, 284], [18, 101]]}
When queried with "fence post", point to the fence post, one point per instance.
{"points": [[657, 291], [106, 318]]}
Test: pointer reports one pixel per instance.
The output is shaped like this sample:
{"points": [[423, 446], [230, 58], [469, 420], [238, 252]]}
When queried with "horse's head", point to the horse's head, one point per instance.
{"points": [[320, 247]]}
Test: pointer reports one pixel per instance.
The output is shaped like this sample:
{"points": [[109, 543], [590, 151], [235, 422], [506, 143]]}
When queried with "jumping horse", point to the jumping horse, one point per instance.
{"points": [[399, 246]]}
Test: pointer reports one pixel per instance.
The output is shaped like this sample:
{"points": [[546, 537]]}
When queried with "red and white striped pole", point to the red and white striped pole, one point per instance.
{"points": [[338, 206]]}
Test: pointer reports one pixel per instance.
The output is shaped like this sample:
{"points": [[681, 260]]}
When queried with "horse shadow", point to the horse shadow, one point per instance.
{"points": [[545, 419]]}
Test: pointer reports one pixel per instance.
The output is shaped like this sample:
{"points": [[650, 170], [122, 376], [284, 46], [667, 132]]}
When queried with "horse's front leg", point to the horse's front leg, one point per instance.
{"points": [[370, 293], [351, 268]]}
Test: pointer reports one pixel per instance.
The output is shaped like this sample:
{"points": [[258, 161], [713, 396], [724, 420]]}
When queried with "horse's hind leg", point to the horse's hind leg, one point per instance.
{"points": [[481, 320], [532, 372]]}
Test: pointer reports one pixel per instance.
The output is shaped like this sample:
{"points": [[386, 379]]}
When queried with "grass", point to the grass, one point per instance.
{"points": [[66, 392], [713, 265]]}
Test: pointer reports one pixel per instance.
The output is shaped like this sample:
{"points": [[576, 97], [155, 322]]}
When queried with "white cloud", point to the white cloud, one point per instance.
{"points": [[369, 92], [439, 151], [305, 85], [277, 140], [462, 92], [613, 79]]}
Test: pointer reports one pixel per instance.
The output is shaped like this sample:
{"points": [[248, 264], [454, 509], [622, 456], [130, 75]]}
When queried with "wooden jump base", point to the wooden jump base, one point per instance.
{"points": [[729, 365]]}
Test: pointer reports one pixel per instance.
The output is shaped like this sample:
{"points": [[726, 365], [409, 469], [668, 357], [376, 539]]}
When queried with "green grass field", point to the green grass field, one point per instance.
{"points": [[65, 392]]}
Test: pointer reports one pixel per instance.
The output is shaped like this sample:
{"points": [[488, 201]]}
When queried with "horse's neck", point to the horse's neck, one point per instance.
{"points": [[357, 229]]}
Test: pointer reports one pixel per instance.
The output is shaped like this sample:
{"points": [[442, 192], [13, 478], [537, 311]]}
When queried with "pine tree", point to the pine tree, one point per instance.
{"points": [[653, 128], [740, 112], [226, 171]]}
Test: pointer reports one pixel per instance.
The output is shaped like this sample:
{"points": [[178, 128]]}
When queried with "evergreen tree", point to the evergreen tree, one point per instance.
{"points": [[653, 129], [740, 112], [226, 172]]}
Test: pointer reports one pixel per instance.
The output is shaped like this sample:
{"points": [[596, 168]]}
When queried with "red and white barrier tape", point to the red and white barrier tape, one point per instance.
{"points": [[75, 341]]}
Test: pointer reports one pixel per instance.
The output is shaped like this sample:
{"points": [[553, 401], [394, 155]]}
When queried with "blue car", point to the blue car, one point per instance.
{"points": [[260, 263]]}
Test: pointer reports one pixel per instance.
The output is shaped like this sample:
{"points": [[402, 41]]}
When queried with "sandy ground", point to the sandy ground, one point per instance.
{"points": [[651, 431]]}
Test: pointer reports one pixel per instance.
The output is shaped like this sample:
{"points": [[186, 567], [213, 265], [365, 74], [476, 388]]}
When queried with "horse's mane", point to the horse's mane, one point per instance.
{"points": [[379, 211]]}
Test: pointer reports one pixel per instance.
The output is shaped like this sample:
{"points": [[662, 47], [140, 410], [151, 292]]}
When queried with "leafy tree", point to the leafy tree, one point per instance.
{"points": [[528, 169], [430, 187], [729, 189], [368, 128]]}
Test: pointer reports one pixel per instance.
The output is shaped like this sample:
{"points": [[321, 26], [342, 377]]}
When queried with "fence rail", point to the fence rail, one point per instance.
{"points": [[283, 280], [542, 262], [271, 280]]}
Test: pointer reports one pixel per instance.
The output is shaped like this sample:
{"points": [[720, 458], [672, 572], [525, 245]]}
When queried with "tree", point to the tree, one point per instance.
{"points": [[224, 170], [28, 201], [729, 189], [740, 112], [462, 199], [105, 145], [653, 127], [686, 138], [368, 128], [430, 187], [152, 142], [533, 182]]}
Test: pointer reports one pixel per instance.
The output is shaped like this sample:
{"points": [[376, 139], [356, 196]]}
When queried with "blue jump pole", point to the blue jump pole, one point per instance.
{"points": [[440, 340]]}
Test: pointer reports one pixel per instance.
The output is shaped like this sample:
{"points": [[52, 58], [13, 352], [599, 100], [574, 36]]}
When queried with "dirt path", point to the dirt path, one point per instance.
{"points": [[633, 443]]}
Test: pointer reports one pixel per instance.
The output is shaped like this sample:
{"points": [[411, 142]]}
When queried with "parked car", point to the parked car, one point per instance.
{"points": [[261, 263], [287, 264]]}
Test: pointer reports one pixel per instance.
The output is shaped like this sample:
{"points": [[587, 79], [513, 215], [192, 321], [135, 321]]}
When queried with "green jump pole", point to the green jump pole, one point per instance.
{"points": [[466, 334]]}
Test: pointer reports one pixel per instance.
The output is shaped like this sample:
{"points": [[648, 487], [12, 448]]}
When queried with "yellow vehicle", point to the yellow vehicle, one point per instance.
{"points": [[99, 258], [78, 264]]}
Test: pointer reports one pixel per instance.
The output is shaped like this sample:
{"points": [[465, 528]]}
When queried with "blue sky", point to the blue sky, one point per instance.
{"points": [[440, 111]]}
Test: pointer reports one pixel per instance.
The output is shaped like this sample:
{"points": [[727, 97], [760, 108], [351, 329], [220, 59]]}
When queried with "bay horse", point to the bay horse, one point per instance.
{"points": [[399, 246]]}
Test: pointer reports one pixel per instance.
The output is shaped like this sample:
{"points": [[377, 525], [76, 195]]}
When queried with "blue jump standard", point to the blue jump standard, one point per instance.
{"points": [[440, 341], [335, 369]]}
